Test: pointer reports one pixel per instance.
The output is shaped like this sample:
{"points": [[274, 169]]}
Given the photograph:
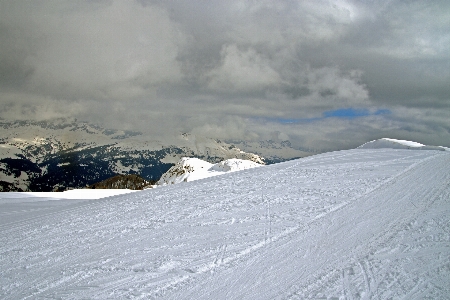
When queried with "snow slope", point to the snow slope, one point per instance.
{"points": [[191, 168], [355, 224]]}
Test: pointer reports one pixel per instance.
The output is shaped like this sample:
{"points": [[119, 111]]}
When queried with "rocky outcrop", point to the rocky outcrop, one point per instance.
{"points": [[131, 182]]}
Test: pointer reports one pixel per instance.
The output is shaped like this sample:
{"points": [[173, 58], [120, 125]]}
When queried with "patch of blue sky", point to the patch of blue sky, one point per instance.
{"points": [[342, 113], [350, 113]]}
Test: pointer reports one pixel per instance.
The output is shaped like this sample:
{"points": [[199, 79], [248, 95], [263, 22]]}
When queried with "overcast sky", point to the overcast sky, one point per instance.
{"points": [[323, 74]]}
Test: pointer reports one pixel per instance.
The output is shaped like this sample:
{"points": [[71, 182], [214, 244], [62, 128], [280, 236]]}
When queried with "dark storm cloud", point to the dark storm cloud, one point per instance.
{"points": [[14, 70], [214, 67]]}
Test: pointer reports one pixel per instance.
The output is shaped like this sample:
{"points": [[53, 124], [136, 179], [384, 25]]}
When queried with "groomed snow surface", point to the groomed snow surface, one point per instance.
{"points": [[355, 224]]}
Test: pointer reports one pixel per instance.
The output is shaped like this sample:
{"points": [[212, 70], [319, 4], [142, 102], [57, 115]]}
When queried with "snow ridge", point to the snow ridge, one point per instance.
{"points": [[398, 144]]}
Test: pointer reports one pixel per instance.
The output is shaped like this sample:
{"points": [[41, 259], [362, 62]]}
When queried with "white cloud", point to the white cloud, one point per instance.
{"points": [[329, 84], [242, 71]]}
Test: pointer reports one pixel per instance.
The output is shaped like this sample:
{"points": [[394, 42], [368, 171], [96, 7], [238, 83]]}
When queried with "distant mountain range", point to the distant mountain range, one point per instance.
{"points": [[65, 153]]}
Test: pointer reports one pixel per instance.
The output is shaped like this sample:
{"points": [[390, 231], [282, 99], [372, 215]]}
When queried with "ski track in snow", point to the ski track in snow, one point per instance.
{"points": [[355, 224]]}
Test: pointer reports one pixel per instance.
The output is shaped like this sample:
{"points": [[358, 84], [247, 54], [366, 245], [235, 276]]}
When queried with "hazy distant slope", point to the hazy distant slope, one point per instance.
{"points": [[355, 224]]}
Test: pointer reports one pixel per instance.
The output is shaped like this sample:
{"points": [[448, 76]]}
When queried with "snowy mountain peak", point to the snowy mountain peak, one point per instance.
{"points": [[398, 144], [190, 169], [204, 146], [234, 164]]}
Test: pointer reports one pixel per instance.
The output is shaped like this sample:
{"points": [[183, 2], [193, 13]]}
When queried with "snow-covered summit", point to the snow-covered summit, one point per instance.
{"points": [[398, 144], [234, 164], [190, 169]]}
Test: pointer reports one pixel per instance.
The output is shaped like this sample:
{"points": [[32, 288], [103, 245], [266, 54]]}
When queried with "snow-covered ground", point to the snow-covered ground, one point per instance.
{"points": [[355, 224]]}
